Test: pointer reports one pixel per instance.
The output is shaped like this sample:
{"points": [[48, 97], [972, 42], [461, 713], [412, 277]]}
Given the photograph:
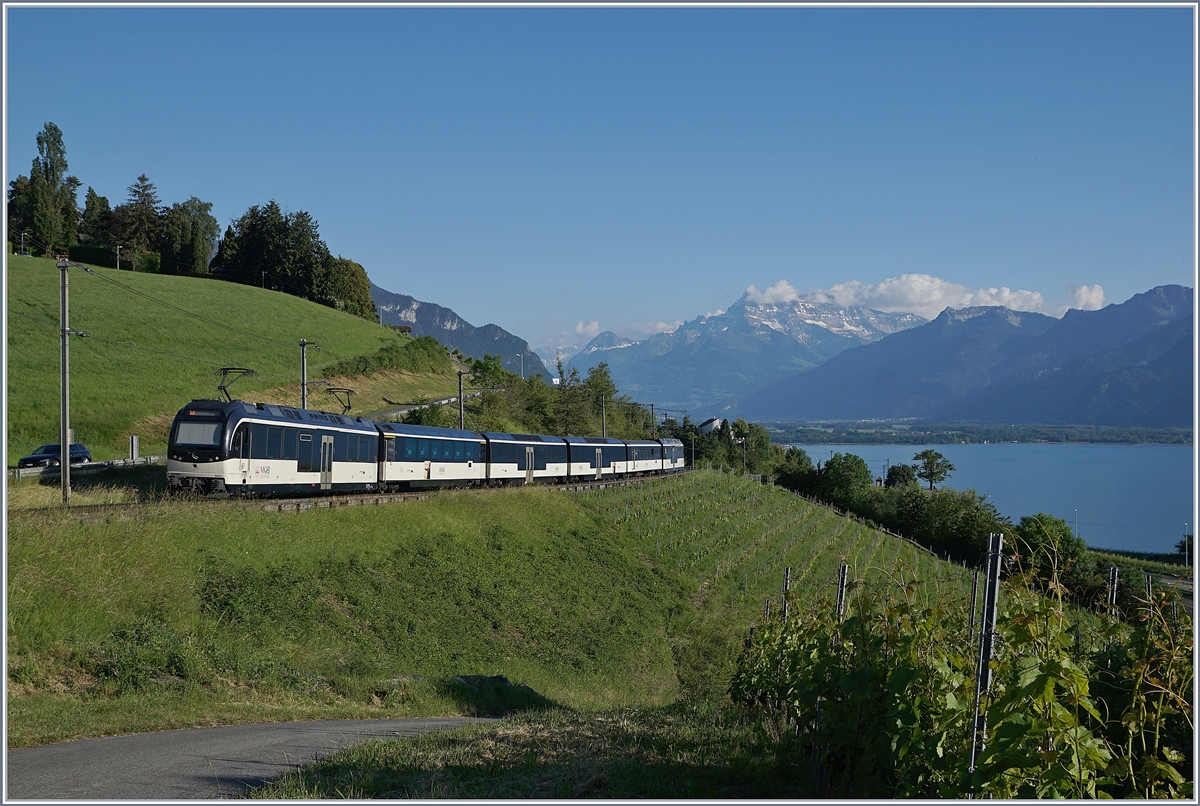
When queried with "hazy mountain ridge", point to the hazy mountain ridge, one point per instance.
{"points": [[429, 319], [1126, 364]]}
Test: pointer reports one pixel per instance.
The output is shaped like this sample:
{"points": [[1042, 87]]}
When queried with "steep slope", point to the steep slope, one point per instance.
{"points": [[1126, 364], [428, 319], [155, 342], [712, 360]]}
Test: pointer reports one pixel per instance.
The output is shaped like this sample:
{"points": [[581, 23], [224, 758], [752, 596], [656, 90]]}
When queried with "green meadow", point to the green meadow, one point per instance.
{"points": [[156, 341], [194, 613]]}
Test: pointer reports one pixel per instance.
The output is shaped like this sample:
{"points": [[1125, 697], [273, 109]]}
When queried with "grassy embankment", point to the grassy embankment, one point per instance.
{"points": [[145, 359], [194, 613]]}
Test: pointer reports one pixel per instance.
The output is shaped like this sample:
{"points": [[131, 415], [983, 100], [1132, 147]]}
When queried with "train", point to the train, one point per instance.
{"points": [[234, 448]]}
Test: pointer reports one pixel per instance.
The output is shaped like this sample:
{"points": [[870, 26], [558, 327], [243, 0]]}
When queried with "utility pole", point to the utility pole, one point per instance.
{"points": [[64, 437], [460, 401], [604, 419], [304, 371], [522, 366], [118, 257], [653, 422]]}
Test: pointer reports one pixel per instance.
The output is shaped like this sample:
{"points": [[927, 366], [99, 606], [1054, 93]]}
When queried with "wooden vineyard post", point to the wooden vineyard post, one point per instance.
{"points": [[983, 674]]}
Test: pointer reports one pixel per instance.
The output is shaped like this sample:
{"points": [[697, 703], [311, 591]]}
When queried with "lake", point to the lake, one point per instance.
{"points": [[1131, 497]]}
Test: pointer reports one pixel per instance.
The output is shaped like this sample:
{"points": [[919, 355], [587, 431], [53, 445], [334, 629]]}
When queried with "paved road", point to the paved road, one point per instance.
{"points": [[194, 763]]}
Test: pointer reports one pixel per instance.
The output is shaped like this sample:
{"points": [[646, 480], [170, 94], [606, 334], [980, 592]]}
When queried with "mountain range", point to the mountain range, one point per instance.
{"points": [[1129, 364], [428, 319], [706, 364]]}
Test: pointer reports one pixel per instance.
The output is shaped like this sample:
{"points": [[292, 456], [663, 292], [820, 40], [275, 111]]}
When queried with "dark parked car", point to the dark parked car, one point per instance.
{"points": [[48, 456]]}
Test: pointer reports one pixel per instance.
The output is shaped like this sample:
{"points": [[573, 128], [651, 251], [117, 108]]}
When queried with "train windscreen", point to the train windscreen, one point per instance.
{"points": [[200, 434]]}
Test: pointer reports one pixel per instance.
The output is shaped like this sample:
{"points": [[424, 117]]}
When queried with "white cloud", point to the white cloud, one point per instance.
{"points": [[924, 295], [590, 330], [717, 312], [775, 294], [1085, 297]]}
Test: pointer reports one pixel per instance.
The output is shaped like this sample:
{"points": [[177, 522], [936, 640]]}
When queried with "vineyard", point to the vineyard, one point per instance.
{"points": [[876, 697], [734, 537]]}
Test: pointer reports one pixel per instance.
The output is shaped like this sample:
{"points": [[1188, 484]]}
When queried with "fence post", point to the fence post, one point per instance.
{"points": [[987, 634]]}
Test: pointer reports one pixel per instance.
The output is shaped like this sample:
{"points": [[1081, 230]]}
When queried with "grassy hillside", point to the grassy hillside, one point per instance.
{"points": [[196, 613], [144, 358]]}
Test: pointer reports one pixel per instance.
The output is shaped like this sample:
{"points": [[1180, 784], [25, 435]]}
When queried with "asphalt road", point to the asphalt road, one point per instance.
{"points": [[193, 763]]}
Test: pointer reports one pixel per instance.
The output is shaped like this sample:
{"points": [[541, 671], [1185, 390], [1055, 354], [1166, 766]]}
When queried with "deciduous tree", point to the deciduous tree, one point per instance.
{"points": [[932, 467]]}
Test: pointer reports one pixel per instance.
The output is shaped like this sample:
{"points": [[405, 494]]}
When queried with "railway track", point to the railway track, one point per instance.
{"points": [[307, 503]]}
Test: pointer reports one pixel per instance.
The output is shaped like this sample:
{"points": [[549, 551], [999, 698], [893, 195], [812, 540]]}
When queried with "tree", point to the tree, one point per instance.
{"points": [[488, 372], [189, 236], [844, 479], [20, 209], [1048, 543], [601, 388], [280, 250], [140, 219], [932, 467], [345, 286], [95, 226], [900, 474], [51, 202], [572, 404]]}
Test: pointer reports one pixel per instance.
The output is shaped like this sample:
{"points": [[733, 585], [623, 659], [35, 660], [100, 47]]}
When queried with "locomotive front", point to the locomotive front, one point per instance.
{"points": [[198, 448]]}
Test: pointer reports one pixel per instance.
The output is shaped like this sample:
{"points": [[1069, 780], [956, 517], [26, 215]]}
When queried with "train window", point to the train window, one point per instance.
{"points": [[274, 443], [410, 448], [422, 449], [349, 447], [435, 449], [198, 433], [389, 454], [365, 454], [289, 443], [305, 462], [258, 441], [458, 451]]}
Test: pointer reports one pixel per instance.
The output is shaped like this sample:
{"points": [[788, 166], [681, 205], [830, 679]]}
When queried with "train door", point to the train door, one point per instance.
{"points": [[326, 462], [243, 440], [599, 463], [529, 464]]}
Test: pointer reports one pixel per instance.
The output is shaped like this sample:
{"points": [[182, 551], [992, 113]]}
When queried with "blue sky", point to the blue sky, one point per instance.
{"points": [[562, 171]]}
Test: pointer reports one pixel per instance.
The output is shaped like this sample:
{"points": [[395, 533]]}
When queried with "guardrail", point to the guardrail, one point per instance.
{"points": [[86, 468]]}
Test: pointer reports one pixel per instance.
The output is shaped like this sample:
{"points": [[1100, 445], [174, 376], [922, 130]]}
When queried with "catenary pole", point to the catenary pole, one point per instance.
{"points": [[64, 437]]}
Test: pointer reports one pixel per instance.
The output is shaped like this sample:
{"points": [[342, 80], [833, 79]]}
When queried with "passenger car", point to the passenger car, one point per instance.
{"points": [[48, 456]]}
